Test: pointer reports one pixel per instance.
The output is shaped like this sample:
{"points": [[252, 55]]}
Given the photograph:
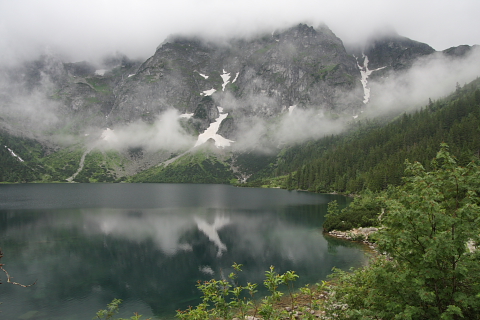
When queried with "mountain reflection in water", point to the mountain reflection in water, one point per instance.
{"points": [[152, 256]]}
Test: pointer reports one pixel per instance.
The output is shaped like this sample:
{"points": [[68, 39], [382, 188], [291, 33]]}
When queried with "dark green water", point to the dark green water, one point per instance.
{"points": [[148, 244]]}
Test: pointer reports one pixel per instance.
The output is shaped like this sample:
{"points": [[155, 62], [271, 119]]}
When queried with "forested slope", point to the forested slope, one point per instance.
{"points": [[16, 168], [371, 156]]}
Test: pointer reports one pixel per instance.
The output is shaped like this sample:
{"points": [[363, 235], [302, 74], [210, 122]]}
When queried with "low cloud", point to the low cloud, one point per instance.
{"points": [[301, 125], [433, 77], [90, 29], [30, 113], [166, 133], [264, 125], [252, 135]]}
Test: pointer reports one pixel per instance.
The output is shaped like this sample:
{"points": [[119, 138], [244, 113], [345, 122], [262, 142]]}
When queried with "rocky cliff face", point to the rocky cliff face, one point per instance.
{"points": [[261, 77], [389, 53], [395, 52], [460, 51], [301, 67]]}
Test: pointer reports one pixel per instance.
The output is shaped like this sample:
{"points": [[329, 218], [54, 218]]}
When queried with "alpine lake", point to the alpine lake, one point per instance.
{"points": [[149, 244]]}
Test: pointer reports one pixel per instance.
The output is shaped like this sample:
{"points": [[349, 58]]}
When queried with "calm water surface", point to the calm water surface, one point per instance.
{"points": [[148, 244]]}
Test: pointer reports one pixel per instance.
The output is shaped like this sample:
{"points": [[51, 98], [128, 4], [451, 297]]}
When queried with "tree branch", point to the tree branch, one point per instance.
{"points": [[9, 279]]}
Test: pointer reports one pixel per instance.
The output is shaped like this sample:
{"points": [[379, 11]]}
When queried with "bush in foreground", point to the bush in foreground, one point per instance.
{"points": [[430, 234]]}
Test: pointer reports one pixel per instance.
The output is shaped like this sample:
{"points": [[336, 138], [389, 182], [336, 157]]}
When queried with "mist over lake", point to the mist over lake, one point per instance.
{"points": [[149, 244]]}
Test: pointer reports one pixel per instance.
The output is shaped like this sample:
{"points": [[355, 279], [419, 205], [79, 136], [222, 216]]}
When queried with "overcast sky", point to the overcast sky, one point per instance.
{"points": [[88, 29]]}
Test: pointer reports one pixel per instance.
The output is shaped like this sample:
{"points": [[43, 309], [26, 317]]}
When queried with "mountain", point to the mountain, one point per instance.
{"points": [[197, 110], [394, 52], [300, 66]]}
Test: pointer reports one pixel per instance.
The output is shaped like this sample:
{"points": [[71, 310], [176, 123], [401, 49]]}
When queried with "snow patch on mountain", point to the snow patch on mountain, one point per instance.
{"points": [[14, 154], [211, 132], [204, 76], [365, 73], [186, 115], [236, 77], [290, 109], [225, 76], [208, 92]]}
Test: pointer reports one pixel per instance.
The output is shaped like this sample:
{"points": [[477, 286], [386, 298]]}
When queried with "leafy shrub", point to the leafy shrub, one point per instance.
{"points": [[430, 235], [362, 212]]}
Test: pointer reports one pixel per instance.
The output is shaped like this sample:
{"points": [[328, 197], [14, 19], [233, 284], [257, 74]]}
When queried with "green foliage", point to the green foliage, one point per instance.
{"points": [[254, 163], [226, 299], [12, 169], [196, 168], [362, 212], [429, 222], [373, 292], [63, 163], [112, 309], [430, 234], [368, 156], [99, 167]]}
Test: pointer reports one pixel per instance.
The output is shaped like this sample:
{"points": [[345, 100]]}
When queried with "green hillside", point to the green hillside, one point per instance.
{"points": [[19, 159], [200, 167], [371, 155]]}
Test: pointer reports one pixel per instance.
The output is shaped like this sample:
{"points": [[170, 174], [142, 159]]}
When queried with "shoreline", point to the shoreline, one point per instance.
{"points": [[360, 235]]}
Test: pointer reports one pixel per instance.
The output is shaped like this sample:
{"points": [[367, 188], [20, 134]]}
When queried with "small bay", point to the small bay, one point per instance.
{"points": [[149, 244]]}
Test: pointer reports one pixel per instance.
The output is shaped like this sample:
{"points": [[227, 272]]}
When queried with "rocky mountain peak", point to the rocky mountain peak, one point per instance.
{"points": [[460, 51], [395, 52], [262, 76]]}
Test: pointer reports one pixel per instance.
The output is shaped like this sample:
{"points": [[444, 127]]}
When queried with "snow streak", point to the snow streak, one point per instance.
{"points": [[211, 132], [14, 154], [365, 73]]}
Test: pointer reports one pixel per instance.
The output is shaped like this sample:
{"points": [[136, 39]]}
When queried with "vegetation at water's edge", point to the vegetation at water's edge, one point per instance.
{"points": [[363, 211], [430, 267], [430, 234]]}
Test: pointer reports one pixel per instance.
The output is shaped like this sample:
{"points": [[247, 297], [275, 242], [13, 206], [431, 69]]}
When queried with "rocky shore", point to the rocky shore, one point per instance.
{"points": [[357, 234]]}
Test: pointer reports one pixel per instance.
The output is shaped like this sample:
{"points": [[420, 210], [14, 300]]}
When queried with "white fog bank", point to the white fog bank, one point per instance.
{"points": [[433, 77], [30, 25], [165, 133]]}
